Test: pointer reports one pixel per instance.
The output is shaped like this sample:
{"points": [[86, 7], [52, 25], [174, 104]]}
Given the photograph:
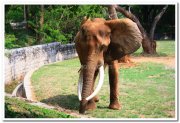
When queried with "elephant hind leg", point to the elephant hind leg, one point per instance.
{"points": [[115, 105], [113, 81]]}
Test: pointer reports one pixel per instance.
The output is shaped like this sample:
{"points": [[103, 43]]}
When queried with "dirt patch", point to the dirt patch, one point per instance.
{"points": [[170, 113], [167, 61]]}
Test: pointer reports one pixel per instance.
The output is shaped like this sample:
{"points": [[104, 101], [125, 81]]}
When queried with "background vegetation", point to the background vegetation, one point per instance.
{"points": [[40, 24], [60, 23]]}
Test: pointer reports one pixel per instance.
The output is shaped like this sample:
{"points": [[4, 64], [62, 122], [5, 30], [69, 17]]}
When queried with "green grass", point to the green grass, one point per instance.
{"points": [[16, 108], [147, 90], [57, 83], [164, 48]]}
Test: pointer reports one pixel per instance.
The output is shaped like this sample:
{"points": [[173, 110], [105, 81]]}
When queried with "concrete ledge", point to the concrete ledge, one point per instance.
{"points": [[19, 91], [20, 64], [19, 61], [28, 86]]}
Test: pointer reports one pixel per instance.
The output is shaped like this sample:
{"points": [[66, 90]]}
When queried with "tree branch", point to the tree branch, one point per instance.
{"points": [[132, 17], [156, 19], [148, 46], [112, 12]]}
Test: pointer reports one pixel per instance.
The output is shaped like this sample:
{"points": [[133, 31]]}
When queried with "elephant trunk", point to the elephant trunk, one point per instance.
{"points": [[88, 75]]}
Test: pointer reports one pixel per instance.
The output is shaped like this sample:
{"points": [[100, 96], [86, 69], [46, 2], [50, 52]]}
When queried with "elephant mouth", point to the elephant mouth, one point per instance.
{"points": [[99, 85]]}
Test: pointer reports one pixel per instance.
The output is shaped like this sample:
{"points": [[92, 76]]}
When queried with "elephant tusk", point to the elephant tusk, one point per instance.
{"points": [[100, 83], [80, 84]]}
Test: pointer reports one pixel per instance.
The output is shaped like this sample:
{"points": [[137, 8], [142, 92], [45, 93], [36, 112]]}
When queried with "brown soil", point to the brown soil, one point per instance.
{"points": [[167, 61]]}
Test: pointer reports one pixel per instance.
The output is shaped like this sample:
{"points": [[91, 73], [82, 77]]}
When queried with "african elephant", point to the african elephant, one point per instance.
{"points": [[100, 43]]}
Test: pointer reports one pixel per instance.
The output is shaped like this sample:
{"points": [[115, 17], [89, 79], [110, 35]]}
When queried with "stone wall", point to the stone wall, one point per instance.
{"points": [[21, 60]]}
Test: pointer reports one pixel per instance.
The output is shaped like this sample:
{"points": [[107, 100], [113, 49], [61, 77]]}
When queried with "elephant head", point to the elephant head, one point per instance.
{"points": [[98, 42]]}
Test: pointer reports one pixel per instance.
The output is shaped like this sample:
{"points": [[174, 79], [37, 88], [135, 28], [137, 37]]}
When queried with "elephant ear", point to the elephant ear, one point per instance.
{"points": [[125, 38]]}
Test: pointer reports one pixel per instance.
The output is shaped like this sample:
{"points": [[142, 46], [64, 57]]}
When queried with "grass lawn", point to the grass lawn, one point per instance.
{"points": [[164, 48], [16, 108], [147, 90]]}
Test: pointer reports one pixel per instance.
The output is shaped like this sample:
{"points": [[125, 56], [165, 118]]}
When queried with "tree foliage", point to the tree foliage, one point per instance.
{"points": [[146, 14], [153, 14], [60, 23]]}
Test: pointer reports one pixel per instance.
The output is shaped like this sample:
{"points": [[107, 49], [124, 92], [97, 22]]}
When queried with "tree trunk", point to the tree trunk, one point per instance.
{"points": [[113, 15], [26, 15], [153, 27], [25, 18], [112, 12], [41, 23], [42, 16], [156, 19], [148, 43]]}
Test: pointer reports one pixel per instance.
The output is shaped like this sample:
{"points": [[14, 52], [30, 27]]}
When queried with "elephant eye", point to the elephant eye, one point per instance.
{"points": [[82, 30], [101, 33], [107, 34]]}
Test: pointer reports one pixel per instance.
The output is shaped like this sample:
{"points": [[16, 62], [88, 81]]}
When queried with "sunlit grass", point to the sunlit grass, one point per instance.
{"points": [[146, 90], [164, 48]]}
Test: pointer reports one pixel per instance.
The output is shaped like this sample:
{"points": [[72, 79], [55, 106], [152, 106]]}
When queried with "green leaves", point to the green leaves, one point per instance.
{"points": [[61, 23], [10, 41], [14, 14]]}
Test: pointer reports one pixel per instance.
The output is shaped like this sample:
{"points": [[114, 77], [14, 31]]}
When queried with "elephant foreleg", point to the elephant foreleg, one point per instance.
{"points": [[113, 81]]}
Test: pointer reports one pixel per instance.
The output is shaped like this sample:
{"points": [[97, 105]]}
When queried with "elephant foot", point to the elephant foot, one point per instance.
{"points": [[91, 105], [96, 99], [115, 105]]}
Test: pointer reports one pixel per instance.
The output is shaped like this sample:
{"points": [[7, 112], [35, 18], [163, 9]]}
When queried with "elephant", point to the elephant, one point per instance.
{"points": [[100, 43]]}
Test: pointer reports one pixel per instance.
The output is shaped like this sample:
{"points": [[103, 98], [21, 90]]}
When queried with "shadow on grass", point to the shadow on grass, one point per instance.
{"points": [[65, 101], [159, 54], [55, 65], [102, 107], [64, 65]]}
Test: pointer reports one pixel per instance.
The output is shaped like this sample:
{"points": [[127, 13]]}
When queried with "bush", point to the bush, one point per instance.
{"points": [[10, 40]]}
